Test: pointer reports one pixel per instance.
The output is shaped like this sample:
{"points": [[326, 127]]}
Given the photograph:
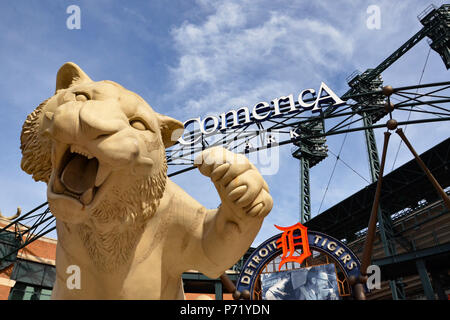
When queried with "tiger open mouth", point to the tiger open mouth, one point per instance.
{"points": [[79, 175]]}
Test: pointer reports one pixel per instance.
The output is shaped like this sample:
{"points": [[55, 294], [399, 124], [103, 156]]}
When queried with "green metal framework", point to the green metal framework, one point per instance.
{"points": [[309, 151], [437, 23], [405, 190], [23, 231], [409, 201], [369, 118], [305, 195], [436, 26]]}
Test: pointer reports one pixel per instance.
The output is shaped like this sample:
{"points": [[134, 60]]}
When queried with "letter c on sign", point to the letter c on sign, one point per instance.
{"points": [[205, 121], [302, 103], [185, 124]]}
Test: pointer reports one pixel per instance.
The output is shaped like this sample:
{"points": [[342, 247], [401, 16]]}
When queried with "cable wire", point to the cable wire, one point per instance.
{"points": [[348, 166], [334, 168], [410, 110]]}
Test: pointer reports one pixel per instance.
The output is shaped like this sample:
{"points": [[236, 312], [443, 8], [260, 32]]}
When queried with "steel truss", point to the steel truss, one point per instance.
{"points": [[293, 127], [24, 230]]}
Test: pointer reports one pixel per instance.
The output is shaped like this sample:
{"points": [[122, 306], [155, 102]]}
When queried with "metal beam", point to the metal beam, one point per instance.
{"points": [[425, 279], [437, 285], [412, 256], [218, 290], [305, 196], [408, 185], [28, 228], [385, 227]]}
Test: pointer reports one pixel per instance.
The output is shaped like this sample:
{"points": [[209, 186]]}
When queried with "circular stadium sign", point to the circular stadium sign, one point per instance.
{"points": [[295, 245]]}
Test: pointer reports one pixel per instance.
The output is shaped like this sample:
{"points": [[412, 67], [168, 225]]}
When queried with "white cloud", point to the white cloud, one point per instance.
{"points": [[279, 51]]}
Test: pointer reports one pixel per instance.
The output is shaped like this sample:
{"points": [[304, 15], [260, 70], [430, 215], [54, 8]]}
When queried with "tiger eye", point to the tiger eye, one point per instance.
{"points": [[81, 97], [138, 125]]}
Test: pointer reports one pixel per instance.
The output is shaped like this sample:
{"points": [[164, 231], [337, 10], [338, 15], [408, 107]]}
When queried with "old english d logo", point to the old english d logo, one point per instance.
{"points": [[289, 241]]}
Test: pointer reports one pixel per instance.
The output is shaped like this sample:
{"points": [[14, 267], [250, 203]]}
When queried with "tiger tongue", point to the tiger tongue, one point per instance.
{"points": [[79, 174]]}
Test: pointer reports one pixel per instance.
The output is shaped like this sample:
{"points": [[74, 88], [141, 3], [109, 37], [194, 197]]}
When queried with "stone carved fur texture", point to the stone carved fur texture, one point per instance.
{"points": [[132, 232]]}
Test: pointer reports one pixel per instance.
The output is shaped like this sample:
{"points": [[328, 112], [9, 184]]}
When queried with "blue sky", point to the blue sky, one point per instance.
{"points": [[194, 58]]}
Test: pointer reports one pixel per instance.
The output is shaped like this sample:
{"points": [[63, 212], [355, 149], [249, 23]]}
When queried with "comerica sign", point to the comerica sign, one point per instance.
{"points": [[308, 99]]}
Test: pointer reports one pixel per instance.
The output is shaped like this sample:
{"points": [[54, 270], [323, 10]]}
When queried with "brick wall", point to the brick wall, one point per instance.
{"points": [[42, 250], [5, 282]]}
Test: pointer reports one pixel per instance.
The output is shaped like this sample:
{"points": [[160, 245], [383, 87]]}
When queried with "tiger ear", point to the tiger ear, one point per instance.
{"points": [[171, 130], [70, 74]]}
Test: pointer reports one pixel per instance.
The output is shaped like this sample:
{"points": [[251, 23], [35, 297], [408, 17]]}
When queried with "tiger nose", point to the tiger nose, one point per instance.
{"points": [[62, 124], [98, 120], [89, 121]]}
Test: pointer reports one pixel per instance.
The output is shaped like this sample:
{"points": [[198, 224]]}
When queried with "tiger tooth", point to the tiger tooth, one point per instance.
{"points": [[58, 152], [75, 149], [58, 187], [87, 196], [103, 172]]}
